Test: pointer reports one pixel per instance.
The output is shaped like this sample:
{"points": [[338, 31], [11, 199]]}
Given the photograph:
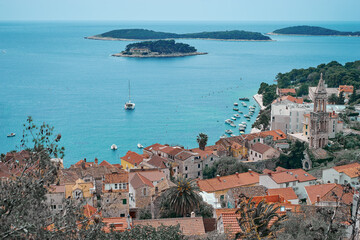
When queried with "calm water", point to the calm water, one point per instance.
{"points": [[49, 71]]}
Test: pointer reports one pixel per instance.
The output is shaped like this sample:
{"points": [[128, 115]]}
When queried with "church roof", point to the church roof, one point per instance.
{"points": [[321, 86]]}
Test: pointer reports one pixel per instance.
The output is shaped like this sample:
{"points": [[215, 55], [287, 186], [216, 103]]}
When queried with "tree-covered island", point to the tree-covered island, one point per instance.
{"points": [[312, 31], [144, 34], [159, 48]]}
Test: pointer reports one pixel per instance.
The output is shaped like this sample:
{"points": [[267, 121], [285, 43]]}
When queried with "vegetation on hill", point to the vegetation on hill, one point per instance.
{"points": [[311, 30], [334, 75], [144, 34], [161, 47]]}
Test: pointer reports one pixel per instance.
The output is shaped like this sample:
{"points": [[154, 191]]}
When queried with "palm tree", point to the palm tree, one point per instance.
{"points": [[183, 198], [202, 139], [255, 220]]}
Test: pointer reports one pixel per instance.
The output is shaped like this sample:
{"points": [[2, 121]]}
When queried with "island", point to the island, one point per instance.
{"points": [[159, 48], [144, 34], [312, 31]]}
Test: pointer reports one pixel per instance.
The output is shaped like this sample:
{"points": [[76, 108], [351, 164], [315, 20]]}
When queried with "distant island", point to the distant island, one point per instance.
{"points": [[159, 48], [144, 34], [312, 31]]}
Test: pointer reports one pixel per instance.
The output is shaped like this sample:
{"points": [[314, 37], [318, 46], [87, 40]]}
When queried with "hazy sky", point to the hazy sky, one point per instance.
{"points": [[216, 10]]}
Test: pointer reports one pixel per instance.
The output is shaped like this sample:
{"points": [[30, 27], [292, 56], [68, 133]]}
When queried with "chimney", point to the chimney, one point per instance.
{"points": [[318, 198], [269, 173], [96, 161], [218, 177], [84, 159], [192, 214], [237, 174]]}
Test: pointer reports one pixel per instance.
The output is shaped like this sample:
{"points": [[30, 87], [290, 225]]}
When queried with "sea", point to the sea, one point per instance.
{"points": [[50, 72]]}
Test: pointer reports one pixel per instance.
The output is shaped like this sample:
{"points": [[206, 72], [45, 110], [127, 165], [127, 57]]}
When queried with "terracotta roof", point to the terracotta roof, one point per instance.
{"points": [[249, 192], [133, 158], [291, 175], [260, 148], [209, 224], [346, 88], [154, 147], [151, 174], [89, 211], [219, 211], [266, 171], [325, 192], [13, 164], [205, 153], [184, 155], [228, 182], [157, 161], [352, 169], [307, 115], [56, 189], [189, 226], [83, 163], [269, 199], [231, 225], [170, 150], [106, 164], [286, 193], [139, 181], [287, 90], [120, 224], [121, 177], [289, 98]]}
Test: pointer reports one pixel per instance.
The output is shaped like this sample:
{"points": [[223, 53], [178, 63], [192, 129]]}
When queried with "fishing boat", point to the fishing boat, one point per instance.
{"points": [[245, 123], [242, 125], [11, 135], [228, 131], [246, 116], [129, 105], [244, 99], [140, 146], [223, 136], [244, 105], [232, 124], [228, 121], [113, 147], [236, 104], [236, 109], [232, 118], [237, 115]]}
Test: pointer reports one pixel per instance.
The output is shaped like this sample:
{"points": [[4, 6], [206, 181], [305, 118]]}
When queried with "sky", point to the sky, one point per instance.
{"points": [[180, 10]]}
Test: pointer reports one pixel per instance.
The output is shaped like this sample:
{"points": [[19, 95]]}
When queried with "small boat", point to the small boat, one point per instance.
{"points": [[244, 99], [232, 124], [232, 118], [242, 132], [251, 107], [228, 121], [236, 104], [237, 115], [244, 105], [246, 116], [11, 135], [129, 105], [242, 125], [232, 135], [228, 131], [113, 147], [223, 136], [240, 112], [140, 146], [236, 109], [245, 123]]}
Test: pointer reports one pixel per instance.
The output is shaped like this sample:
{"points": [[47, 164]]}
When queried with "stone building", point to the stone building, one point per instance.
{"points": [[319, 118]]}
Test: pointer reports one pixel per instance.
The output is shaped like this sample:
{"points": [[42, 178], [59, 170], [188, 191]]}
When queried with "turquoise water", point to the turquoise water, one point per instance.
{"points": [[49, 71]]}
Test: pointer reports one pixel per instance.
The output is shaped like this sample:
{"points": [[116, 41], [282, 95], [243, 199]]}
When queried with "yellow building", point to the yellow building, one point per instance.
{"points": [[131, 160], [80, 189], [238, 150]]}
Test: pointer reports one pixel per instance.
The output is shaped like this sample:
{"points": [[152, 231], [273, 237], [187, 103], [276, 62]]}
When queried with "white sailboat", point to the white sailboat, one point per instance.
{"points": [[129, 105]]}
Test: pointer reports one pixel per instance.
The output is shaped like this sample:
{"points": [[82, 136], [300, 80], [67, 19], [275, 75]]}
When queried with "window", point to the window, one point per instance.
{"points": [[186, 175], [144, 191], [60, 206], [185, 168], [259, 140], [174, 170], [259, 155], [199, 165], [116, 186], [206, 165], [156, 189], [211, 158], [255, 154], [124, 186], [222, 197], [124, 201], [122, 214], [198, 174], [287, 184], [53, 207], [294, 183]]}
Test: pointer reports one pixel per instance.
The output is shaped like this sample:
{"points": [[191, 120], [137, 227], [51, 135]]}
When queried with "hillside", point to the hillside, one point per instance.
{"points": [[311, 30], [144, 34]]}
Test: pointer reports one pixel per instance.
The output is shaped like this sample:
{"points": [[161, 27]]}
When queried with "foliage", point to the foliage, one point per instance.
{"points": [[202, 139], [342, 141], [224, 166], [335, 74], [294, 158], [311, 30], [149, 34], [183, 198], [145, 213], [263, 120], [302, 90], [255, 218], [268, 92], [146, 232], [162, 47]]}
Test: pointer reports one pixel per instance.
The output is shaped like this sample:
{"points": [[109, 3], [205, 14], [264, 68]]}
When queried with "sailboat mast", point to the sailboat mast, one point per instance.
{"points": [[129, 90]]}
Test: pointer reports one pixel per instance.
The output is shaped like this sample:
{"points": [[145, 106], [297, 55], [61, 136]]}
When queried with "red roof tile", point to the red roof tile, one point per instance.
{"points": [[260, 148], [120, 224], [154, 147], [89, 211], [287, 90], [291, 175], [139, 181], [346, 88], [133, 158], [325, 192], [228, 182], [286, 193], [121, 177], [352, 169]]}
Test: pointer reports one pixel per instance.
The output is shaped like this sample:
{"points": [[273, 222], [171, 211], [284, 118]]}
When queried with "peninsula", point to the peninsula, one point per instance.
{"points": [[312, 31], [159, 48], [144, 34]]}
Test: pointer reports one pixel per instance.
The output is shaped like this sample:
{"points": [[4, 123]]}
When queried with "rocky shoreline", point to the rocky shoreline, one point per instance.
{"points": [[132, 40], [156, 55]]}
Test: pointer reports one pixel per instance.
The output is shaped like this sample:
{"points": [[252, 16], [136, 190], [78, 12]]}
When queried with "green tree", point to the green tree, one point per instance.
{"points": [[341, 99], [294, 158], [183, 198], [333, 99], [225, 166], [145, 213], [302, 90], [202, 139], [254, 220]]}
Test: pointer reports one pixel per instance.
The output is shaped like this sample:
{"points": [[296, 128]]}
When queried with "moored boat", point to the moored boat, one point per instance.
{"points": [[140, 146], [244, 99], [228, 131], [11, 135], [114, 147]]}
